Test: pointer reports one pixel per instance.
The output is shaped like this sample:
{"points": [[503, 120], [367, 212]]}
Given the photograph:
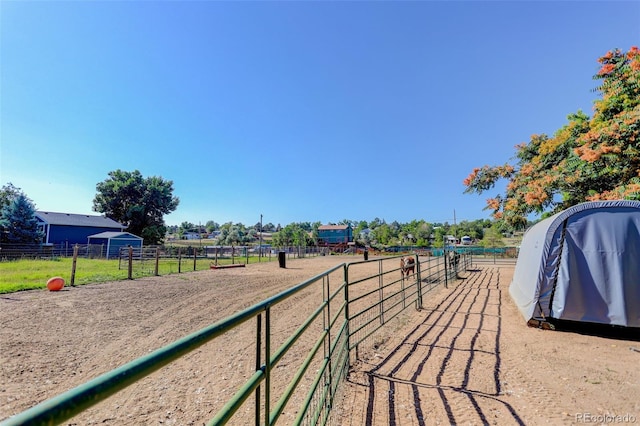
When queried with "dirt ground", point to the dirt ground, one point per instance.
{"points": [[466, 358]]}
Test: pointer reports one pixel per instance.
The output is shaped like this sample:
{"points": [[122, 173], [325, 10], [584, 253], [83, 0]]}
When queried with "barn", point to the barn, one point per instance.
{"points": [[67, 229], [114, 241], [582, 265]]}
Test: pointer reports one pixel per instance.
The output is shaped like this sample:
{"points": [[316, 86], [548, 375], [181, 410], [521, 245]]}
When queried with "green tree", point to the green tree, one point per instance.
{"points": [[421, 231], [382, 235], [315, 235], [590, 158], [473, 229], [361, 225], [19, 223], [283, 237], [235, 235], [137, 202], [211, 226], [493, 237], [439, 233], [187, 226], [293, 234], [8, 193], [375, 223]]}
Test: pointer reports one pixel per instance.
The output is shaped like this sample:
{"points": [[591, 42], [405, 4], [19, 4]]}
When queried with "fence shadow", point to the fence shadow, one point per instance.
{"points": [[449, 364]]}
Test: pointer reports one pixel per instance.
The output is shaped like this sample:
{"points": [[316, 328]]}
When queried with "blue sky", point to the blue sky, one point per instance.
{"points": [[299, 111]]}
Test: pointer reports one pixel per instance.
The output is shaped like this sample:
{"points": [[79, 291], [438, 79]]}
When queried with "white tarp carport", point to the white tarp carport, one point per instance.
{"points": [[582, 264]]}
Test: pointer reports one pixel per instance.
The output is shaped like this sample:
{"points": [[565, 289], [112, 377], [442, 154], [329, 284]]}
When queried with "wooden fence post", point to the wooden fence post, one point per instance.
{"points": [[157, 259], [179, 259], [73, 265], [130, 275], [195, 257]]}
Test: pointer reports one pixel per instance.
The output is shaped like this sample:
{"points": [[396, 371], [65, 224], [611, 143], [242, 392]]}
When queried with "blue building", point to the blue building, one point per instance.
{"points": [[335, 234], [67, 229]]}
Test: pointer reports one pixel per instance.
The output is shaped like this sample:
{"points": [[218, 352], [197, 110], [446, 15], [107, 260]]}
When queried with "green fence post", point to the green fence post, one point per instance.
{"points": [[267, 365], [258, 365], [380, 292], [346, 307], [446, 271], [419, 284]]}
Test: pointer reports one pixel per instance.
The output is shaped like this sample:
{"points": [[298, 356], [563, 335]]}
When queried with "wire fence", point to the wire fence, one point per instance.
{"points": [[249, 253], [100, 251], [49, 251]]}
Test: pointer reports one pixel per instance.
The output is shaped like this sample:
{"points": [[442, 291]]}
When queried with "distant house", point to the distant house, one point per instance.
{"points": [[69, 228], [191, 235], [114, 241], [213, 235], [335, 234]]}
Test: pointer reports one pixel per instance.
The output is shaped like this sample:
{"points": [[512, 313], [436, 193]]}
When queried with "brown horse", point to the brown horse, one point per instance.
{"points": [[407, 266], [454, 258]]}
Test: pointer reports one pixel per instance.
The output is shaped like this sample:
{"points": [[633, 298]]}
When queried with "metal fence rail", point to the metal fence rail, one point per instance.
{"points": [[353, 305]]}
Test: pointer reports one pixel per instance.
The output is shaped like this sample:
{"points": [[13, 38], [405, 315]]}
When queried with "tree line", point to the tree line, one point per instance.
{"points": [[376, 233]]}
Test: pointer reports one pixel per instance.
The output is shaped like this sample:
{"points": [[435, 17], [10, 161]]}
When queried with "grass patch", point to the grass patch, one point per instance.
{"points": [[33, 274]]}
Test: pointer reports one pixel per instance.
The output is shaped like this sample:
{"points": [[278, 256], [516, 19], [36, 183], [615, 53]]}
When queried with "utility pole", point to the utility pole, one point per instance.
{"points": [[455, 233], [260, 252]]}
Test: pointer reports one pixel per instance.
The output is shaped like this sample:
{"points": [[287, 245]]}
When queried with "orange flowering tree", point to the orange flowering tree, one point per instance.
{"points": [[590, 158]]}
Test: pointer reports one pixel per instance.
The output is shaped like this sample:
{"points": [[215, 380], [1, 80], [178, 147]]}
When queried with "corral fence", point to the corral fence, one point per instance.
{"points": [[50, 251], [99, 251], [149, 258], [494, 255], [356, 301]]}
